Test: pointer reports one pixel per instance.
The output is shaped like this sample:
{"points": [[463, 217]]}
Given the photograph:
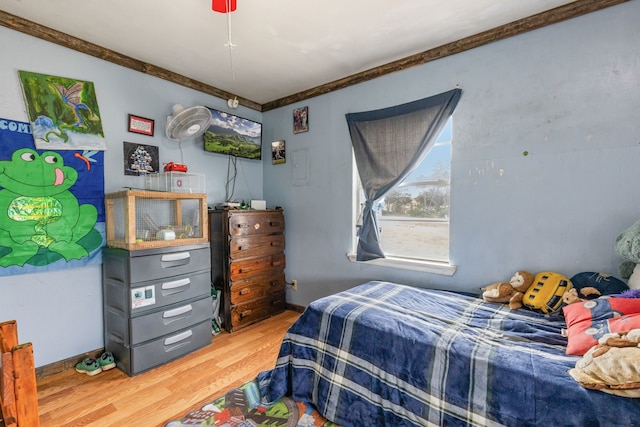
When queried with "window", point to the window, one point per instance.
{"points": [[413, 217]]}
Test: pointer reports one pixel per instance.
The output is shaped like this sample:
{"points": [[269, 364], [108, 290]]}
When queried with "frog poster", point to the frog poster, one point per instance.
{"points": [[63, 112], [51, 204]]}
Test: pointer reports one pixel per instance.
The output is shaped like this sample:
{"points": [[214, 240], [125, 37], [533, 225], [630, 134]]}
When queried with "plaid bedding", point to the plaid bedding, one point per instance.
{"points": [[387, 354]]}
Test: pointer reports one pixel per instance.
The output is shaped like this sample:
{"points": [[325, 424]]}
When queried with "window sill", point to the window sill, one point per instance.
{"points": [[442, 268]]}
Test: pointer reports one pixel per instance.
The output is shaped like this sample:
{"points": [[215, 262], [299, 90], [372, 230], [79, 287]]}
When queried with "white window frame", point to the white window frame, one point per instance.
{"points": [[445, 268]]}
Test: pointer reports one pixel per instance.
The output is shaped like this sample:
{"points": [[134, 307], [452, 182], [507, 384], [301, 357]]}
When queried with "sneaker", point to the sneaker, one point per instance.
{"points": [[106, 361], [89, 366], [215, 328]]}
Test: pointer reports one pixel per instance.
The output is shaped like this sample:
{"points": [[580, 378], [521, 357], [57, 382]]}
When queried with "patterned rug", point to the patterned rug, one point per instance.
{"points": [[241, 407]]}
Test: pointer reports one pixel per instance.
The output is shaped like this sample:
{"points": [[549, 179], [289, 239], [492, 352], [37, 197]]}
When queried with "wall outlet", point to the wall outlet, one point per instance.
{"points": [[294, 285]]}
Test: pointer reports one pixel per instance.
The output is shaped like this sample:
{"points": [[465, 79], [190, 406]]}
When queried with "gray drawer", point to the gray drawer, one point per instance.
{"points": [[144, 265], [170, 319], [139, 298], [140, 358]]}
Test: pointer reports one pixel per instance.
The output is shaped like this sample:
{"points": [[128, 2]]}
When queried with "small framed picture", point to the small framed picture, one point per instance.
{"points": [[140, 159], [301, 120], [278, 153], [141, 125]]}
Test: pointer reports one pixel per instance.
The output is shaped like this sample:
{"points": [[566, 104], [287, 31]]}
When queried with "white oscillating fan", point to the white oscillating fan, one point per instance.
{"points": [[187, 123]]}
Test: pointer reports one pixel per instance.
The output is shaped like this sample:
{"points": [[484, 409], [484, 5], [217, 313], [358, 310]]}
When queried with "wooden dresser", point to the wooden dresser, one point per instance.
{"points": [[247, 264]]}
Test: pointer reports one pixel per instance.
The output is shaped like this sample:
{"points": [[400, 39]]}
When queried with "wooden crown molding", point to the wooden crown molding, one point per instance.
{"points": [[45, 33], [561, 13]]}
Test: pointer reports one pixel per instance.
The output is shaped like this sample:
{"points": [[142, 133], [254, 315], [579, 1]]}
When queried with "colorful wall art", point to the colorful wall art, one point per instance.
{"points": [[63, 112], [51, 204]]}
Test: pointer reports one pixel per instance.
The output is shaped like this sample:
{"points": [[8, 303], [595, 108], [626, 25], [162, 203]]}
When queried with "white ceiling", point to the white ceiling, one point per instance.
{"points": [[282, 46]]}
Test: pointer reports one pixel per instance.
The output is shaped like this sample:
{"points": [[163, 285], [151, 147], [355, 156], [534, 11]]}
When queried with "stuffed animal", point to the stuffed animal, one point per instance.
{"points": [[509, 292], [592, 285], [628, 247], [571, 296], [611, 366]]}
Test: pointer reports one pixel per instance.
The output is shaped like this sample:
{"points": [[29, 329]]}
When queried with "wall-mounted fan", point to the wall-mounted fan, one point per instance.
{"points": [[187, 123]]}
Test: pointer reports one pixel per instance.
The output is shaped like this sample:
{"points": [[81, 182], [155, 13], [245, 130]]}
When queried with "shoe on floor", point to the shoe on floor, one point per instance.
{"points": [[106, 361], [89, 366]]}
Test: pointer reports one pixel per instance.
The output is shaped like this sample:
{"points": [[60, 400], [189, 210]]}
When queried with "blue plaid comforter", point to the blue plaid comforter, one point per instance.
{"points": [[387, 354]]}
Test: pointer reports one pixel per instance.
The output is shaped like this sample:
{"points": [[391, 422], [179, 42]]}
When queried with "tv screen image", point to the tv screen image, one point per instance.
{"points": [[234, 136]]}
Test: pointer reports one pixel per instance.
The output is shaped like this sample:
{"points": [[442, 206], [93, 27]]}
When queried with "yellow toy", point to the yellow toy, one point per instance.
{"points": [[545, 294]]}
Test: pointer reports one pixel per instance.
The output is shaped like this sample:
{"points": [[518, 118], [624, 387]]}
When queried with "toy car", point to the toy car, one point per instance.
{"points": [[174, 167]]}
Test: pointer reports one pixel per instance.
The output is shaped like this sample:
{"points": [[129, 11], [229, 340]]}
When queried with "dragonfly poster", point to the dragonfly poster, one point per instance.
{"points": [[63, 112]]}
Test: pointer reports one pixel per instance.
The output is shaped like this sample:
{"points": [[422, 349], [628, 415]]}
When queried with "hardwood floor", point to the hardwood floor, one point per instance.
{"points": [[152, 398]]}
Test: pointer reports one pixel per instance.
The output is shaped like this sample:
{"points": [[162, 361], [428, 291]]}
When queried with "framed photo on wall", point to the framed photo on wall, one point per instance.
{"points": [[140, 125], [301, 120], [140, 159], [278, 152]]}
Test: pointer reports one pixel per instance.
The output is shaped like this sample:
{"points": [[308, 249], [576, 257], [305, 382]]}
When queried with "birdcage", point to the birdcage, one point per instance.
{"points": [[137, 219]]}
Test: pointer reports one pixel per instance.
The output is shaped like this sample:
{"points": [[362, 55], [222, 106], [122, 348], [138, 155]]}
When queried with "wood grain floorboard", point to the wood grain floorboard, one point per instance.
{"points": [[165, 393]]}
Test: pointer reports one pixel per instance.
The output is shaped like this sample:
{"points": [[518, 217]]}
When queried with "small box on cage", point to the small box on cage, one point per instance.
{"points": [[181, 182], [137, 219]]}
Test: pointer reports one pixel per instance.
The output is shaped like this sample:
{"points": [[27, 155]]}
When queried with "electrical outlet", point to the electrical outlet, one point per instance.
{"points": [[294, 285]]}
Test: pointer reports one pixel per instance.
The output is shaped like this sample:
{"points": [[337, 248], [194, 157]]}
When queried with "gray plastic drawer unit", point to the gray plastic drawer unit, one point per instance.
{"points": [[157, 304]]}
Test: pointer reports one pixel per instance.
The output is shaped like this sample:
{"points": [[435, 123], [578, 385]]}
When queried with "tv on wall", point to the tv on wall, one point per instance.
{"points": [[234, 136]]}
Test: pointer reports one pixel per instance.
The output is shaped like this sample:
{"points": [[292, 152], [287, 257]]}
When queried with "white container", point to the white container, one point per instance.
{"points": [[175, 182]]}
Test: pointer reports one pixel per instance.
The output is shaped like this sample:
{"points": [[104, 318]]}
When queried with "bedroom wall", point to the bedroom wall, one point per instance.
{"points": [[61, 312], [568, 94]]}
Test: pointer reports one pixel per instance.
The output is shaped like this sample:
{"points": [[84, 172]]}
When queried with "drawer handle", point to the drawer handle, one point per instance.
{"points": [[179, 337], [275, 243], [275, 302], [176, 284], [245, 314], [177, 311], [274, 224], [275, 263], [175, 257], [244, 291], [244, 270], [243, 225]]}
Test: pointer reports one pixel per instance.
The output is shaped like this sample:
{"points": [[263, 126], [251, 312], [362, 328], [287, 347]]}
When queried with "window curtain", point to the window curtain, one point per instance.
{"points": [[388, 145]]}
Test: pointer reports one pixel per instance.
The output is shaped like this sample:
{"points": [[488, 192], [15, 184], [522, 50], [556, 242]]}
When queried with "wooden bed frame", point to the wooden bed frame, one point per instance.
{"points": [[18, 391]]}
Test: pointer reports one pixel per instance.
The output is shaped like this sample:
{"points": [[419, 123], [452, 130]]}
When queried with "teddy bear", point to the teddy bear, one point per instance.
{"points": [[611, 365], [628, 247], [509, 292]]}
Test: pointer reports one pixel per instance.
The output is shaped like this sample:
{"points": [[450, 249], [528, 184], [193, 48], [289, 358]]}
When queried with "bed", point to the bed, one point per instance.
{"points": [[388, 354]]}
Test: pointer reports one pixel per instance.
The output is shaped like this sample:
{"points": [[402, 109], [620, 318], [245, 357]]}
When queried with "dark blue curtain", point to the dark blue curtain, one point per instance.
{"points": [[388, 145]]}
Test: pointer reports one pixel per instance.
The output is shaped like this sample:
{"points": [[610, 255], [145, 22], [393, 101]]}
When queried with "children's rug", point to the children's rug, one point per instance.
{"points": [[241, 407]]}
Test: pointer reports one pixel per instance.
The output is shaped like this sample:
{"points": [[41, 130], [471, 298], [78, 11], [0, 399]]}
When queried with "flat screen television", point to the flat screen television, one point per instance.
{"points": [[234, 136]]}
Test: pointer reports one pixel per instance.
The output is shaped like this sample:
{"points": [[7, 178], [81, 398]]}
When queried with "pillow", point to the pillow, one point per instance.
{"points": [[589, 320]]}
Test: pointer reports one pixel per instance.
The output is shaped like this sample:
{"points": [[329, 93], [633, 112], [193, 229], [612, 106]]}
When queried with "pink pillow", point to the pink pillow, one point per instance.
{"points": [[589, 320]]}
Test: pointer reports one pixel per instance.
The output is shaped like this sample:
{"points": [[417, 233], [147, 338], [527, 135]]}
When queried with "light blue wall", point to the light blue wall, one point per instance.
{"points": [[569, 94], [61, 312]]}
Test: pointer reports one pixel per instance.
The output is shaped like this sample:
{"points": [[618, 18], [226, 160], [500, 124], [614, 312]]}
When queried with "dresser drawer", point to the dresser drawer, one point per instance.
{"points": [[145, 265], [251, 312], [256, 287], [245, 247], [140, 358], [245, 268], [138, 298], [255, 222]]}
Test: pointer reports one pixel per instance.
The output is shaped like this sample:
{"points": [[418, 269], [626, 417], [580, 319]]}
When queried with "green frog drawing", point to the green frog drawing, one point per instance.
{"points": [[37, 210]]}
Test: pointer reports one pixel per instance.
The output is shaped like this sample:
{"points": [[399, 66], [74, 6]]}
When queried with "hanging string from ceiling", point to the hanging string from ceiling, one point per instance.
{"points": [[227, 6]]}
